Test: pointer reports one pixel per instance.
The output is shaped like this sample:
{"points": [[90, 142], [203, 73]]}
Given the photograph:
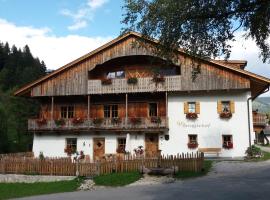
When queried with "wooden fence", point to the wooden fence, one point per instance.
{"points": [[65, 167]]}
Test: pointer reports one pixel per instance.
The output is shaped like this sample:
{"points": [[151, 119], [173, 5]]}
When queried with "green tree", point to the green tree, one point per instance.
{"points": [[201, 27]]}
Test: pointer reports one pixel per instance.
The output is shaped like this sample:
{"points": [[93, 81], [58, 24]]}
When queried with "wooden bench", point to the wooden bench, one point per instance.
{"points": [[210, 150]]}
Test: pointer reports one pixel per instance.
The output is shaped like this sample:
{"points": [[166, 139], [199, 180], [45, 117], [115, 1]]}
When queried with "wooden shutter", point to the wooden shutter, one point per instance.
{"points": [[185, 107], [197, 107], [219, 107], [232, 107]]}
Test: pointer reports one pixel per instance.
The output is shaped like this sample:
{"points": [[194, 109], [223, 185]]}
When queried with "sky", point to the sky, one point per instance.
{"points": [[59, 31]]}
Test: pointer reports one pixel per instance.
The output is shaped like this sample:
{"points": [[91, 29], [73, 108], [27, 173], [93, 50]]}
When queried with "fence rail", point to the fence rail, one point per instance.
{"points": [[65, 167]]}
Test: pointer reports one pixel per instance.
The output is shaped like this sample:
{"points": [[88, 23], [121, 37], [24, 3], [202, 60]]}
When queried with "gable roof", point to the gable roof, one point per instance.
{"points": [[224, 64]]}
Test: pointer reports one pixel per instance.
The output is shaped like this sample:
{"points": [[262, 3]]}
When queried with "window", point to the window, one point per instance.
{"points": [[191, 107], [114, 111], [227, 139], [153, 109], [225, 106], [110, 111], [117, 74], [107, 113], [121, 145], [67, 112], [71, 143], [192, 139]]}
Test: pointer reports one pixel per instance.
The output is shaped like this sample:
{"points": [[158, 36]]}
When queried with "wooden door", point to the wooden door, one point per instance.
{"points": [[99, 148], [151, 145]]}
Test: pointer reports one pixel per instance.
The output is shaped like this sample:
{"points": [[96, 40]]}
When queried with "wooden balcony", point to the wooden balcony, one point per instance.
{"points": [[171, 83], [119, 124], [260, 120]]}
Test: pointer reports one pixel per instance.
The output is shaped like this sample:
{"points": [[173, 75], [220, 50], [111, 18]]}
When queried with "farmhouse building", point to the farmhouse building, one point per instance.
{"points": [[122, 96]]}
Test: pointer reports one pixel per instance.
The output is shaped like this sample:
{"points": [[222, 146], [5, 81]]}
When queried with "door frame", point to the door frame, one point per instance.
{"points": [[98, 138], [154, 134]]}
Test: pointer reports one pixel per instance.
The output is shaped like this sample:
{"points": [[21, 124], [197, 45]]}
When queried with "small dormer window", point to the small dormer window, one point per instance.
{"points": [[117, 74]]}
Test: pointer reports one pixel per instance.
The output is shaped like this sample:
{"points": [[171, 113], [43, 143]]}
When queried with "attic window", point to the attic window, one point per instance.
{"points": [[117, 74]]}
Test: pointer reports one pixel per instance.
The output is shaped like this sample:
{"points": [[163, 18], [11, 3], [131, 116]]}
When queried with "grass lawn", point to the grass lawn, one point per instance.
{"points": [[266, 156], [15, 190], [117, 179], [206, 168]]}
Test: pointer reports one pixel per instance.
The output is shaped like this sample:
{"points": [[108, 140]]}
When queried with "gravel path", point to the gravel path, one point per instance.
{"points": [[15, 178]]}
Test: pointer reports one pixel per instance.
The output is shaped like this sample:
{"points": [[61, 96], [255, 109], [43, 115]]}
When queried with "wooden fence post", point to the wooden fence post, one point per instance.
{"points": [[77, 167]]}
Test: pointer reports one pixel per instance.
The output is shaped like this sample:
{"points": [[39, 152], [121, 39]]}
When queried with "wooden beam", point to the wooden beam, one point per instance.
{"points": [[52, 107], [88, 107], [126, 108]]}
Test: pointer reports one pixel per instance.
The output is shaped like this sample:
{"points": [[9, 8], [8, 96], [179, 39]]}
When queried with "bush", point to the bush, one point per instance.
{"points": [[253, 152]]}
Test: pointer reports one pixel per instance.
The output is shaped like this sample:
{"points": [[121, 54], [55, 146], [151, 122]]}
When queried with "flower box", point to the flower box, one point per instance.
{"points": [[120, 150], [225, 115], [135, 120], [97, 121], [41, 122], [69, 150], [158, 79], [227, 145], [192, 145], [156, 120], [132, 80], [106, 81], [77, 121], [116, 120], [59, 122], [191, 116]]}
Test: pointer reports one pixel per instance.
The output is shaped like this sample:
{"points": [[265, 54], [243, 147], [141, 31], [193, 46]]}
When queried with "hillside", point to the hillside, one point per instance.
{"points": [[262, 104]]}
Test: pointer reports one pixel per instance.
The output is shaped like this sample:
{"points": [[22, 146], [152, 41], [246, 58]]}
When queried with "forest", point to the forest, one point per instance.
{"points": [[17, 68]]}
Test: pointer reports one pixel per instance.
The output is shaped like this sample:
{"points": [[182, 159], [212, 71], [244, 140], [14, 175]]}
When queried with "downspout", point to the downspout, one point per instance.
{"points": [[252, 98]]}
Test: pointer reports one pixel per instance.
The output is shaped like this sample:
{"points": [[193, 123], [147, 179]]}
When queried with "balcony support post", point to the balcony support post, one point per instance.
{"points": [[52, 109], [166, 100], [126, 110], [88, 107]]}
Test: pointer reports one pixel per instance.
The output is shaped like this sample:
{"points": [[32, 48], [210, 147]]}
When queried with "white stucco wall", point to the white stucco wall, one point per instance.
{"points": [[209, 128]]}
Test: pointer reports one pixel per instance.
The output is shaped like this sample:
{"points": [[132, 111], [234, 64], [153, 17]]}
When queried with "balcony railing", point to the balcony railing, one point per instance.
{"points": [[171, 83], [260, 120], [138, 123]]}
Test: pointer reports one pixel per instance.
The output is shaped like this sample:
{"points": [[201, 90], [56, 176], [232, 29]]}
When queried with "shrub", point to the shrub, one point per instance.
{"points": [[60, 122], [132, 80], [253, 152]]}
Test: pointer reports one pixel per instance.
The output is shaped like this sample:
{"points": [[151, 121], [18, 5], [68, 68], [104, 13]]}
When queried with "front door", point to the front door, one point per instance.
{"points": [[99, 148], [151, 145]]}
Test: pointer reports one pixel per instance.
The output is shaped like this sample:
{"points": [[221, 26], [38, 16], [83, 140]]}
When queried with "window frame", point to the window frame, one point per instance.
{"points": [[116, 74], [149, 109], [190, 140], [227, 103], [72, 144], [121, 144], [67, 111], [189, 108], [110, 112]]}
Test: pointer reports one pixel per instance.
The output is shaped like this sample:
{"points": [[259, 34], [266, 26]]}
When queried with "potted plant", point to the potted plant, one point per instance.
{"points": [[139, 151], [191, 116], [192, 145], [156, 120], [227, 145], [60, 122], [120, 149], [225, 115], [135, 120], [132, 80], [41, 122], [97, 121], [106, 81], [77, 120], [158, 78], [69, 150], [116, 120]]}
